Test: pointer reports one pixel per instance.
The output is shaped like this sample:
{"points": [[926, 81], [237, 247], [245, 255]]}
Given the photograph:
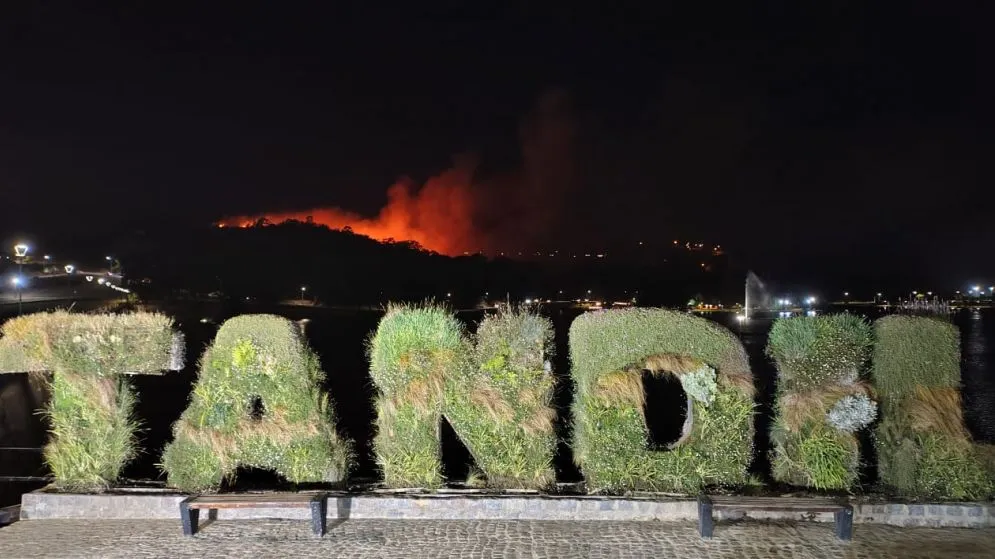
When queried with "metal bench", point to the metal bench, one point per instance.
{"points": [[191, 506], [842, 512]]}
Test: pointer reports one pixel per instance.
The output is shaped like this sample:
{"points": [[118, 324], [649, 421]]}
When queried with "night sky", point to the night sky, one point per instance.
{"points": [[829, 143]]}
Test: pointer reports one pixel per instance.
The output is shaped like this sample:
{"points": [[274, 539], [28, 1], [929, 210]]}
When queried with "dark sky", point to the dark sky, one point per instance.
{"points": [[829, 140]]}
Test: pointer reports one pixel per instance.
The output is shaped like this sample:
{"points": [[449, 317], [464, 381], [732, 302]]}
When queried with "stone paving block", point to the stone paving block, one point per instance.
{"points": [[114, 539]]}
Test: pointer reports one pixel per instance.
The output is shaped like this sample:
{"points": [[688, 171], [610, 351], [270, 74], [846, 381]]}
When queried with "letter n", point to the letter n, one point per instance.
{"points": [[257, 403], [496, 396]]}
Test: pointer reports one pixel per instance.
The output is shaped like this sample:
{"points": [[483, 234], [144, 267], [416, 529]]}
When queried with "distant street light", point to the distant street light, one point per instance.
{"points": [[20, 250], [69, 272], [303, 289]]}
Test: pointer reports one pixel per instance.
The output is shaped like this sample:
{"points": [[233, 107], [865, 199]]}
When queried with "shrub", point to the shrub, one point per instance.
{"points": [[852, 413], [496, 395], [924, 449], [821, 403], [609, 350], [254, 358], [93, 430]]}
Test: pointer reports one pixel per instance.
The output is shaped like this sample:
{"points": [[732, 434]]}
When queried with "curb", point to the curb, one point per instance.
{"points": [[39, 505]]}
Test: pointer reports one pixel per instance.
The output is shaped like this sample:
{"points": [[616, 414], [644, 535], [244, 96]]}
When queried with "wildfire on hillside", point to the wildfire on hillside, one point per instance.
{"points": [[456, 213], [438, 216]]}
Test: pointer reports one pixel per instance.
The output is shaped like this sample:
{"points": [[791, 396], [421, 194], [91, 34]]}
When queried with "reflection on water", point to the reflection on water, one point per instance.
{"points": [[978, 338], [338, 337]]}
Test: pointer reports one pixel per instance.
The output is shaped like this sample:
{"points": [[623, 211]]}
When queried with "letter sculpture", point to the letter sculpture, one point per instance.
{"points": [[821, 400], [257, 402], [93, 430], [496, 396], [609, 350], [924, 449]]}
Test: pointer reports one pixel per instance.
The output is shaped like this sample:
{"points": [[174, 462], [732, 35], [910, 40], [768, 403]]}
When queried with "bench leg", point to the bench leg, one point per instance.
{"points": [[189, 518], [706, 524], [319, 509], [844, 524]]}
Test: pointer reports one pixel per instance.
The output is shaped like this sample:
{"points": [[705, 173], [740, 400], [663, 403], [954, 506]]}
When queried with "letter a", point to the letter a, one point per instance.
{"points": [[257, 403]]}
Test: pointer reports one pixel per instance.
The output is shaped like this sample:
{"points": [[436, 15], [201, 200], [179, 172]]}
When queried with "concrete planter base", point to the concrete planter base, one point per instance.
{"points": [[40, 505]]}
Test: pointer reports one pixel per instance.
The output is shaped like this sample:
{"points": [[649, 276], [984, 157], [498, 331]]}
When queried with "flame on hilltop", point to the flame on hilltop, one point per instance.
{"points": [[438, 216], [456, 213]]}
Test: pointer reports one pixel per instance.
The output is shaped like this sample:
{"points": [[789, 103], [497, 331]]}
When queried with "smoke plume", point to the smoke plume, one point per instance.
{"points": [[457, 212]]}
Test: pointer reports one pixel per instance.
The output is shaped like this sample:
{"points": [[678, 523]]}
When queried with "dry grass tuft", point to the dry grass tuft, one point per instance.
{"points": [[741, 381], [425, 393], [936, 410], [493, 402], [671, 363], [540, 422], [621, 387]]}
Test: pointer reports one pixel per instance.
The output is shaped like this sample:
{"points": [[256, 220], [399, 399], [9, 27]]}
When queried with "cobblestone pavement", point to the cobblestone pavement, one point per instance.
{"points": [[480, 539]]}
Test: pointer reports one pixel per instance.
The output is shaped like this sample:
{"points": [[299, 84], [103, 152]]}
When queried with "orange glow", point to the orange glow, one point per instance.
{"points": [[438, 216]]}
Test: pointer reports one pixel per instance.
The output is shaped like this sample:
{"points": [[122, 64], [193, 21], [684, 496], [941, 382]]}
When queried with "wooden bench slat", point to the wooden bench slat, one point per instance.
{"points": [[778, 503], [276, 500]]}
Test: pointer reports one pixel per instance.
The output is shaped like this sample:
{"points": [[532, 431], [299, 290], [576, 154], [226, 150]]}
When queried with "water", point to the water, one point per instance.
{"points": [[339, 339]]}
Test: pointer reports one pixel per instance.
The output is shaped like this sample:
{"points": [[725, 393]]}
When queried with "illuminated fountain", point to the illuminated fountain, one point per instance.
{"points": [[756, 295]]}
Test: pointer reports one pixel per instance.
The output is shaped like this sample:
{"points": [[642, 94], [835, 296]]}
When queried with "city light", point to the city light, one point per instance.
{"points": [[846, 293], [70, 268], [16, 281], [100, 281], [528, 301], [21, 250], [107, 258], [47, 257]]}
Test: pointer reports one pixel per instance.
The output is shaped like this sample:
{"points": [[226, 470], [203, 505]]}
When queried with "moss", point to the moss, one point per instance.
{"points": [[92, 427], [256, 357], [608, 351]]}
